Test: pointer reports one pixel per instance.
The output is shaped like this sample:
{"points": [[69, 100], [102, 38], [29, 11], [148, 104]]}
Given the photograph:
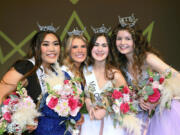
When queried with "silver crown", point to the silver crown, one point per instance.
{"points": [[128, 21], [47, 28], [101, 29], [76, 32]]}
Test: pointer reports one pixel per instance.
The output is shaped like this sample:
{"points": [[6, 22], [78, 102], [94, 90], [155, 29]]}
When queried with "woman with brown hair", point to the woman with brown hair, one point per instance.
{"points": [[134, 55]]}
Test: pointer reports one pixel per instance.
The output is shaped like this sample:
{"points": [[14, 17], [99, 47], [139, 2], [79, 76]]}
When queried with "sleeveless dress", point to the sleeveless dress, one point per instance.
{"points": [[142, 115], [50, 123], [166, 123], [96, 127]]}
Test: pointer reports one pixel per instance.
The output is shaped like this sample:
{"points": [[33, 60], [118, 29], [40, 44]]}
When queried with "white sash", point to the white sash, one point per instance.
{"points": [[40, 74], [91, 82], [66, 69]]}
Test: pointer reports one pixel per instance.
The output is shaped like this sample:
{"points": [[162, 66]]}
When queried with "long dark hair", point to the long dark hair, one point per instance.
{"points": [[35, 50], [108, 65]]}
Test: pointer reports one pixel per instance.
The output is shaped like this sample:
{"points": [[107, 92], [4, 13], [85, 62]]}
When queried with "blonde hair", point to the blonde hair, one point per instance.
{"points": [[68, 61]]}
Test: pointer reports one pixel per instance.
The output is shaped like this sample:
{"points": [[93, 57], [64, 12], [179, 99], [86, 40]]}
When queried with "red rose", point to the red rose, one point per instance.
{"points": [[66, 81], [117, 94], [155, 96], [161, 80], [80, 104], [7, 116], [73, 103], [53, 102], [15, 101], [151, 79], [6, 102], [124, 108], [126, 89]]}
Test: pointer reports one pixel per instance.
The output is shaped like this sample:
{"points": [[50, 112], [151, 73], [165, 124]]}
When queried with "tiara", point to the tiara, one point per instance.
{"points": [[101, 29], [128, 21], [76, 32], [47, 28]]}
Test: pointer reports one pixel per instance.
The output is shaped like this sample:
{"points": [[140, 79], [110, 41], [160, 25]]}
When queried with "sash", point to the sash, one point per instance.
{"points": [[41, 75]]}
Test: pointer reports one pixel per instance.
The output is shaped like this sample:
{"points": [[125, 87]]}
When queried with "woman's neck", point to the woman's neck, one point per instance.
{"points": [[46, 67], [130, 58], [99, 66]]}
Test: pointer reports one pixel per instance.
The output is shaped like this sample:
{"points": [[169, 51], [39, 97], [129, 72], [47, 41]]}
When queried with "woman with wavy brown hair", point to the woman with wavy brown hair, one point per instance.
{"points": [[134, 55], [100, 75]]}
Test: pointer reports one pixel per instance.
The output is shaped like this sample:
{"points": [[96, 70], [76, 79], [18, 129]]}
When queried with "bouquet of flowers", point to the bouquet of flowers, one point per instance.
{"points": [[17, 111], [65, 97], [122, 109], [151, 88]]}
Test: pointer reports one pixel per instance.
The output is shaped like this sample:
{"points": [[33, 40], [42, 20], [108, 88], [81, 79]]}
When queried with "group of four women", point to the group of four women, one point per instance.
{"points": [[121, 59]]}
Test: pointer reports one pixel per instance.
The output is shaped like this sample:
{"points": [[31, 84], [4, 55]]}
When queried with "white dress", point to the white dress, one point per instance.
{"points": [[94, 127]]}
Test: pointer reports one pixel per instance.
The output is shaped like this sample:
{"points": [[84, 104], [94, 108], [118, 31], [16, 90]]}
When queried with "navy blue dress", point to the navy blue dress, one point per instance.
{"points": [[49, 122]]}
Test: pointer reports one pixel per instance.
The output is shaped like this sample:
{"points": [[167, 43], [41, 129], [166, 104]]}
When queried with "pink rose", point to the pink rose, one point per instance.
{"points": [[6, 102], [7, 116], [53, 102], [124, 108], [116, 94], [151, 79], [161, 80], [155, 96], [66, 81], [126, 90], [73, 103]]}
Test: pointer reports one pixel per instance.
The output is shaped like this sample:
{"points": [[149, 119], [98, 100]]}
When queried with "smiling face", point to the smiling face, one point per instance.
{"points": [[78, 51], [100, 49], [50, 49], [124, 42]]}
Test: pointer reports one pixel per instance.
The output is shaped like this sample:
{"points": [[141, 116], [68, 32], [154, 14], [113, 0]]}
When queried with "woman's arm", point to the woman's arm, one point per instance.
{"points": [[9, 83], [119, 79], [158, 65]]}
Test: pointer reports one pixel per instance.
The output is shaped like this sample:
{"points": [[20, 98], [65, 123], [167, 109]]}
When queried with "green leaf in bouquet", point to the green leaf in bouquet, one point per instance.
{"points": [[19, 88], [115, 123], [109, 109], [48, 86], [132, 108], [142, 83], [100, 104], [3, 127], [130, 87], [156, 77], [150, 72], [149, 90], [120, 122], [145, 97], [140, 92], [167, 105], [73, 121], [109, 89], [168, 75], [121, 87]]}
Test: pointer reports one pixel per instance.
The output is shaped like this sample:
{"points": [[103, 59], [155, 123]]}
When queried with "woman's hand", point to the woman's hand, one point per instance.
{"points": [[31, 128], [147, 106], [99, 113]]}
